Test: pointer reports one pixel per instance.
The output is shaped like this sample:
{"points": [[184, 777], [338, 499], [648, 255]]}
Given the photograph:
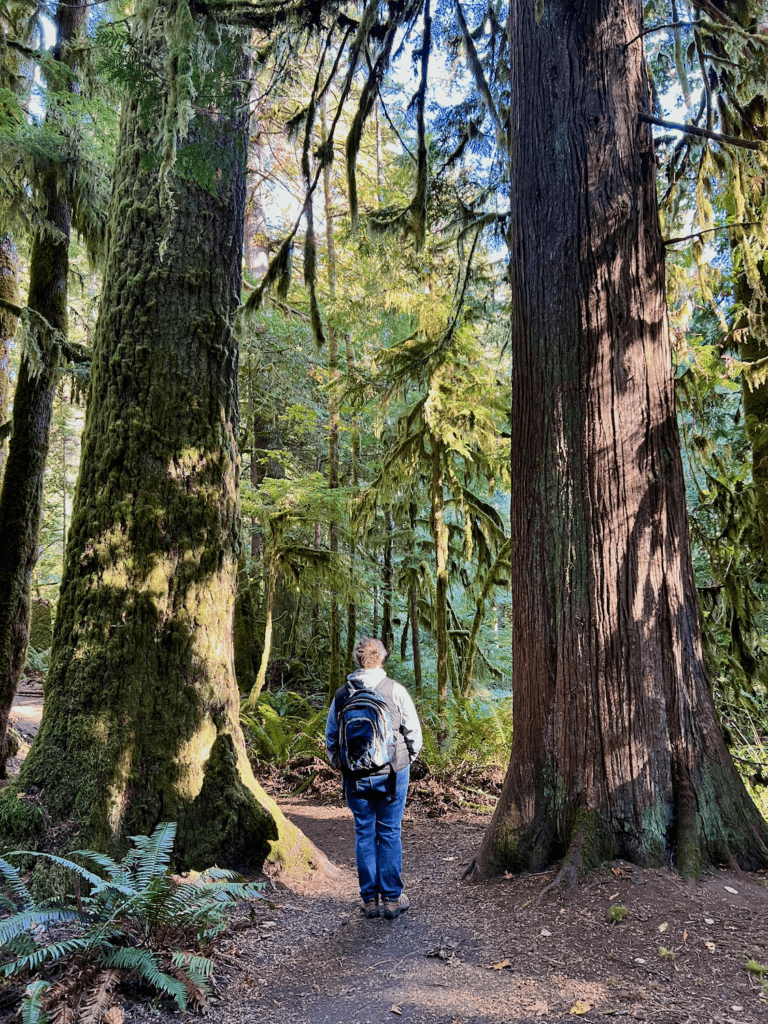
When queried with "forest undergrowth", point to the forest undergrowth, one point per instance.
{"points": [[140, 940]]}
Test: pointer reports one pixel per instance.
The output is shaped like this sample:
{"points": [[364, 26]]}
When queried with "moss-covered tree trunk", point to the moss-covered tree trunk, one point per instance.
{"points": [[387, 590], [334, 666], [616, 749], [754, 347], [413, 616], [9, 292], [141, 715], [21, 497], [355, 458], [440, 536]]}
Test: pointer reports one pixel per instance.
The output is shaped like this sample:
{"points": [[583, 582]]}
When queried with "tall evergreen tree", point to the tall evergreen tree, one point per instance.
{"points": [[141, 716], [22, 491], [616, 749]]}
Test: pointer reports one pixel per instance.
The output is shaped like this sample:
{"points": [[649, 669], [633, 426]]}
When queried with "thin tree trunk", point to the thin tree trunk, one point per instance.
{"points": [[616, 748], [488, 585], [255, 231], [440, 535], [21, 498], [413, 612], [387, 631], [9, 291], [355, 453], [415, 643], [258, 686], [141, 715], [334, 677], [379, 158]]}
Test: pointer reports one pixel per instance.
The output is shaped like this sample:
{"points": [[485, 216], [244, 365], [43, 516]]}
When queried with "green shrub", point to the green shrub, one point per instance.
{"points": [[135, 919], [479, 733], [285, 725]]}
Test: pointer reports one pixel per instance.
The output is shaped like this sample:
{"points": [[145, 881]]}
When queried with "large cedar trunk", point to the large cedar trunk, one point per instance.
{"points": [[141, 715], [616, 747]]}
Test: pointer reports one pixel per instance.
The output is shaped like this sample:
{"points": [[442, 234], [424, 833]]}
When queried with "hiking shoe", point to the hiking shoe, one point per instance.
{"points": [[371, 907], [394, 908]]}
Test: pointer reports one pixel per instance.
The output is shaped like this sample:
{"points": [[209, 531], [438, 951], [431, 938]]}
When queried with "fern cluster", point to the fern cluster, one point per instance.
{"points": [[136, 919], [284, 725], [479, 733]]}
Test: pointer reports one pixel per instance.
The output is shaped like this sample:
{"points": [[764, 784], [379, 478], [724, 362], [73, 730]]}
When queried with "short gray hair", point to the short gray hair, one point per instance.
{"points": [[370, 653]]}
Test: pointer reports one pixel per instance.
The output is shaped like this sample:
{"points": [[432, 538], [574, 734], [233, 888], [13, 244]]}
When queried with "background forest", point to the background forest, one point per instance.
{"points": [[306, 335], [373, 376]]}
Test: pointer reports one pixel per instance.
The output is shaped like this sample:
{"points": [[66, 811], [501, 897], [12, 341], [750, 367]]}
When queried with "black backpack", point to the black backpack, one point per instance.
{"points": [[368, 725]]}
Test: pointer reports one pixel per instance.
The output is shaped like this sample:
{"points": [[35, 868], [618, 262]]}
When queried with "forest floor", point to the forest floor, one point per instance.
{"points": [[502, 951]]}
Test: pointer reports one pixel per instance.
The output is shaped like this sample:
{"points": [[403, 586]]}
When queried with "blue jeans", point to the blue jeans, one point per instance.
{"points": [[378, 846]]}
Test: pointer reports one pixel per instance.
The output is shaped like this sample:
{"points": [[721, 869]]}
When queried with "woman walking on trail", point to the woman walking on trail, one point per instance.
{"points": [[372, 736]]}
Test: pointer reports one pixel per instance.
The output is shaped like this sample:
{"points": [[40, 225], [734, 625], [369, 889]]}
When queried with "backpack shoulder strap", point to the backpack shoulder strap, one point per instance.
{"points": [[342, 695], [386, 688]]}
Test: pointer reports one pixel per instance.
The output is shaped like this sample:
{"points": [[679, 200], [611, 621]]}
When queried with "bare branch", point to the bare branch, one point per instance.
{"points": [[704, 133], [708, 231]]}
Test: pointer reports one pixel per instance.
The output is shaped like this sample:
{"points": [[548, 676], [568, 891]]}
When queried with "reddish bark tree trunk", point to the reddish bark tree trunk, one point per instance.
{"points": [[616, 748]]}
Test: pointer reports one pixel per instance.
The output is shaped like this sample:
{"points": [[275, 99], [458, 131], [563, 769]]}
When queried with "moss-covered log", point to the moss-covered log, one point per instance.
{"points": [[616, 749], [141, 715]]}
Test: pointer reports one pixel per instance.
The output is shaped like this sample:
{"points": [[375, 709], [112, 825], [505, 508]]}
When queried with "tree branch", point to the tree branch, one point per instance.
{"points": [[11, 307], [659, 28], [708, 231], [704, 133]]}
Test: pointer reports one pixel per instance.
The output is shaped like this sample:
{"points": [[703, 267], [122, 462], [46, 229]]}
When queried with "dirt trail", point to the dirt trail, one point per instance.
{"points": [[502, 952], [494, 953]]}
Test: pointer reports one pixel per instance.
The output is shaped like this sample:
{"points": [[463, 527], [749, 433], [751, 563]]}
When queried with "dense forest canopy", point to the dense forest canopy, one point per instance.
{"points": [[496, 261]]}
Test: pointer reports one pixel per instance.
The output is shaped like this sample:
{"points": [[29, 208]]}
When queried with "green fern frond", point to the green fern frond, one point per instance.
{"points": [[10, 927], [45, 954], [197, 968], [153, 853], [15, 884], [113, 869], [63, 861], [31, 1009], [145, 964]]}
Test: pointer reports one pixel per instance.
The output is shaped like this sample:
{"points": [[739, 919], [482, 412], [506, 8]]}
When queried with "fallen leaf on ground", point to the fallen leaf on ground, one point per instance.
{"points": [[500, 965], [729, 889], [580, 1008], [710, 946], [545, 932], [397, 1010], [663, 927], [114, 1015], [708, 920]]}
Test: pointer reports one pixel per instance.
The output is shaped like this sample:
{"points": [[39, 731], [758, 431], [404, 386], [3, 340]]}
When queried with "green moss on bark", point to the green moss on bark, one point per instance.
{"points": [[246, 649], [224, 824], [141, 720]]}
